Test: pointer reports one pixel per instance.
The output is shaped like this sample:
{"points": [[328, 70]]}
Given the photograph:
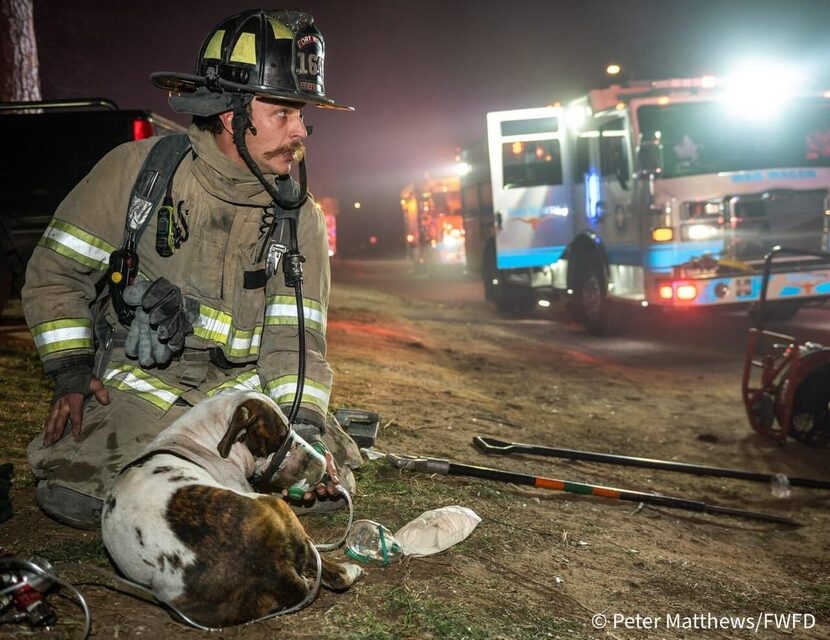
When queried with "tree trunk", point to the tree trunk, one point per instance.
{"points": [[19, 77]]}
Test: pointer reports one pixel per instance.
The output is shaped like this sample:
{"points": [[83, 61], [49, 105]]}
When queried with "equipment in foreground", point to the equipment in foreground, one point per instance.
{"points": [[24, 585], [446, 467], [499, 447], [361, 425], [794, 386]]}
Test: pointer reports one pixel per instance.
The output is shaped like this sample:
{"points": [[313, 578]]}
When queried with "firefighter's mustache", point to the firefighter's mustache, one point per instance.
{"points": [[297, 151]]}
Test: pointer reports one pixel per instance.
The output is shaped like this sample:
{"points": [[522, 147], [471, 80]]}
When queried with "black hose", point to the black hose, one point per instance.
{"points": [[292, 262], [298, 396]]}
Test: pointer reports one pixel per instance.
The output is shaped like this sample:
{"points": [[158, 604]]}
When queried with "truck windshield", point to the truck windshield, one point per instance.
{"points": [[704, 137]]}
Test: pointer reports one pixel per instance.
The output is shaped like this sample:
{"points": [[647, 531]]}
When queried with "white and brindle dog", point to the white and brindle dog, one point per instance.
{"points": [[183, 520]]}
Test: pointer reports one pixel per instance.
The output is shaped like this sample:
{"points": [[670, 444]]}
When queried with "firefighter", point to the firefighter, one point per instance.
{"points": [[209, 309]]}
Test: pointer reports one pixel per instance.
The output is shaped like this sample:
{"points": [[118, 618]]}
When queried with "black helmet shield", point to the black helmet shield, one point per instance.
{"points": [[268, 53]]}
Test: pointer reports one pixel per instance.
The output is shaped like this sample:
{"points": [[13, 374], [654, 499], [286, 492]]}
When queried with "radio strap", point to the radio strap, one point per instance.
{"points": [[147, 193]]}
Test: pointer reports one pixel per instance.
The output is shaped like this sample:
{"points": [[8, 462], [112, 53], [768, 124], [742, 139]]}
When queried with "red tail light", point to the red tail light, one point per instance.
{"points": [[142, 129], [686, 292]]}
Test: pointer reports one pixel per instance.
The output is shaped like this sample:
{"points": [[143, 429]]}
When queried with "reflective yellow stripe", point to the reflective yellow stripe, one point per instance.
{"points": [[78, 245], [213, 324], [247, 380], [281, 32], [131, 379], [214, 49], [63, 335], [282, 310], [245, 49], [245, 342], [217, 326], [283, 389]]}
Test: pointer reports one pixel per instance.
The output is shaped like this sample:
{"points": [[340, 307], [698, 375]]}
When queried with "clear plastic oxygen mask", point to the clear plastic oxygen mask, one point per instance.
{"points": [[297, 466]]}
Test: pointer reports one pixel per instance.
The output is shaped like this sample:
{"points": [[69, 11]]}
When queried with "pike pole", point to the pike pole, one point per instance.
{"points": [[448, 468], [500, 447]]}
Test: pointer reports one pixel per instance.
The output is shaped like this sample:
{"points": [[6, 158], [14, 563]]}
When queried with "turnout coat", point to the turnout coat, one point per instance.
{"points": [[250, 321]]}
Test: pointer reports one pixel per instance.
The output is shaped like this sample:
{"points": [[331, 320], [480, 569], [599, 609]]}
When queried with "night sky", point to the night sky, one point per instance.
{"points": [[423, 74]]}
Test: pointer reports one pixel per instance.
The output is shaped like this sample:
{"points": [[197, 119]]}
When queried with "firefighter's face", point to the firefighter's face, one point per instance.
{"points": [[280, 134]]}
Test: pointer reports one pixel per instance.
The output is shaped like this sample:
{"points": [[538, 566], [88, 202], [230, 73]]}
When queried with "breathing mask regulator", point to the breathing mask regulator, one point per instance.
{"points": [[296, 466]]}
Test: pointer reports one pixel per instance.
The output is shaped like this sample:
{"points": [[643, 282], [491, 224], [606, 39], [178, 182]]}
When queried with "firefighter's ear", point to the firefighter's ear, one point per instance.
{"points": [[226, 118]]}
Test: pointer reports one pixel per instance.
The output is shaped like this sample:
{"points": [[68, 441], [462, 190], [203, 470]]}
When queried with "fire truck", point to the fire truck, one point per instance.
{"points": [[433, 222], [330, 208], [654, 194]]}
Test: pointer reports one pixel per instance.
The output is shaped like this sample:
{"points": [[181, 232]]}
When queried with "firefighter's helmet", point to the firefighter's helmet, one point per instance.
{"points": [[268, 53]]}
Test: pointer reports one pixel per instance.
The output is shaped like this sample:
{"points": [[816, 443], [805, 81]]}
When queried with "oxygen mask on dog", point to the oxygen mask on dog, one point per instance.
{"points": [[296, 466]]}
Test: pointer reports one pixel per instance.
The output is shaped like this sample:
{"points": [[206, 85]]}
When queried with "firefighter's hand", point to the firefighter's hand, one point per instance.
{"points": [[324, 491], [70, 408]]}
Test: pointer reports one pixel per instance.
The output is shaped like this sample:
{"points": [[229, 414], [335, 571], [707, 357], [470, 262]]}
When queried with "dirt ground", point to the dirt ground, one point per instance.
{"points": [[541, 564]]}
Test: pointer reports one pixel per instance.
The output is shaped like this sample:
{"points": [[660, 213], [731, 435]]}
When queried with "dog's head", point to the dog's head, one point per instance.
{"points": [[260, 426]]}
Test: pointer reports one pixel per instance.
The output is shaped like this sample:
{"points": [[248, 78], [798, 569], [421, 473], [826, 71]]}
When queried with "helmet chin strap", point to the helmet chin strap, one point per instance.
{"points": [[241, 124]]}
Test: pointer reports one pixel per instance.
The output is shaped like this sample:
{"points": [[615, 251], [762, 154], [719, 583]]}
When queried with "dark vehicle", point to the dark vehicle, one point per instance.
{"points": [[48, 147]]}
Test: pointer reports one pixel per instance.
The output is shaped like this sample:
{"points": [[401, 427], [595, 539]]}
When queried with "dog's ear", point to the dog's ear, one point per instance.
{"points": [[259, 425]]}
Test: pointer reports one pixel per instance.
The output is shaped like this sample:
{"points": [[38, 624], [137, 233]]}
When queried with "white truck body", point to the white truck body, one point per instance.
{"points": [[569, 186]]}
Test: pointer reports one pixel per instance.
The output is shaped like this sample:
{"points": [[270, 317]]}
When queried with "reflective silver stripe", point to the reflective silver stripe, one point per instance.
{"points": [[217, 326], [247, 380], [213, 328], [282, 310], [133, 380], [242, 345], [75, 243], [283, 389], [62, 335]]}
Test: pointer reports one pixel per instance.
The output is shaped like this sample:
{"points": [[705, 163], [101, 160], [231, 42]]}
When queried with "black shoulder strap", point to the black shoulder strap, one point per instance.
{"points": [[148, 190], [151, 183]]}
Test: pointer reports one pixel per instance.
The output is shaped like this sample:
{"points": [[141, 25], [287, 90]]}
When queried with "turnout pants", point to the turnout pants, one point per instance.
{"points": [[75, 473]]}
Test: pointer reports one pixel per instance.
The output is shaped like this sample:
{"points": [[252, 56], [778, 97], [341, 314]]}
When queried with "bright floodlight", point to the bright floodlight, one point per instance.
{"points": [[577, 114], [463, 168], [613, 69], [760, 90]]}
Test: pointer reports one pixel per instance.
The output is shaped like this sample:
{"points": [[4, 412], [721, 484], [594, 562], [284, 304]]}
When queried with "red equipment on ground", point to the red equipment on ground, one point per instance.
{"points": [[791, 396]]}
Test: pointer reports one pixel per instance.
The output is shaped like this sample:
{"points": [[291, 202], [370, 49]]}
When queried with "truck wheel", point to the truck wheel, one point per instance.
{"points": [[505, 297], [510, 299], [600, 315]]}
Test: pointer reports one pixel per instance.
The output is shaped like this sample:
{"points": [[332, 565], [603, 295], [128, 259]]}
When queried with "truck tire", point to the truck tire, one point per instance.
{"points": [[592, 307], [507, 298]]}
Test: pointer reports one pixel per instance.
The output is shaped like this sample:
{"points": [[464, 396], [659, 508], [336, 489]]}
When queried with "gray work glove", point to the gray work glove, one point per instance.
{"points": [[142, 340], [170, 312]]}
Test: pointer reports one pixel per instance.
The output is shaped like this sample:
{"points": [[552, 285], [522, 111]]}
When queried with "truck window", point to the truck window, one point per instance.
{"points": [[612, 156], [531, 164]]}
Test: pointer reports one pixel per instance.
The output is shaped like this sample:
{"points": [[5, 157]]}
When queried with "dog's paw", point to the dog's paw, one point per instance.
{"points": [[353, 572], [339, 576]]}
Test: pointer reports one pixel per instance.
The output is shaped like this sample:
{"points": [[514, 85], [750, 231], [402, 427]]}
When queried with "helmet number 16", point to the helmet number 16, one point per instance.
{"points": [[314, 63]]}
